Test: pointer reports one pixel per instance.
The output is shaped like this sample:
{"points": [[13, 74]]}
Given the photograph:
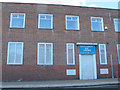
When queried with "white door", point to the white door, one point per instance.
{"points": [[87, 67]]}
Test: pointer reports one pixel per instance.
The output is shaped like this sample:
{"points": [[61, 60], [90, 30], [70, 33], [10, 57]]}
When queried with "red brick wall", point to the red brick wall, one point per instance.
{"points": [[31, 35]]}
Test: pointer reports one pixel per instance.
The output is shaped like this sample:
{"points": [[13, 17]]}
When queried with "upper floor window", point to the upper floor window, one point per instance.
{"points": [[45, 21], [102, 54], [118, 52], [117, 24], [70, 54], [97, 24], [15, 53], [17, 20], [72, 22], [45, 54]]}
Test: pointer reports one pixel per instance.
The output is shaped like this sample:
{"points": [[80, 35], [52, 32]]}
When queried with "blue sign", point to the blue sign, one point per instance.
{"points": [[86, 49]]}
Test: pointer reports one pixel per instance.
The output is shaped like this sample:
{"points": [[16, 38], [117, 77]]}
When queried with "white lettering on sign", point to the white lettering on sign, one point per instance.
{"points": [[104, 71], [71, 72], [87, 50]]}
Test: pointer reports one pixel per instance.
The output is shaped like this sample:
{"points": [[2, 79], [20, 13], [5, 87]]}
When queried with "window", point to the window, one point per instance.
{"points": [[97, 24], [45, 54], [102, 54], [17, 20], [15, 53], [72, 22], [70, 54], [118, 51], [117, 24], [45, 21]]}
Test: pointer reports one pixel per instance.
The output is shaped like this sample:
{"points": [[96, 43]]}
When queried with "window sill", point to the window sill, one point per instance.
{"points": [[103, 64], [117, 31], [14, 64], [97, 31], [45, 29], [72, 30], [16, 28], [44, 64], [70, 64]]}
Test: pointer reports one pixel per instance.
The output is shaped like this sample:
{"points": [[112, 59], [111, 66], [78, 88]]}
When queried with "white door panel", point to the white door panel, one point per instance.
{"points": [[87, 67]]}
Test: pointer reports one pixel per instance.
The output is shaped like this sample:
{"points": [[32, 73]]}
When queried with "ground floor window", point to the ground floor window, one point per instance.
{"points": [[102, 54], [15, 53], [118, 52], [45, 54], [70, 54]]}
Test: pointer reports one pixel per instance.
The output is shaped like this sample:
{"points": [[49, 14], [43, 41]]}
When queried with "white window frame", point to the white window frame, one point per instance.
{"points": [[115, 24], [73, 54], [77, 22], [105, 54], [118, 53], [101, 22], [45, 54], [11, 18], [45, 15], [21, 54]]}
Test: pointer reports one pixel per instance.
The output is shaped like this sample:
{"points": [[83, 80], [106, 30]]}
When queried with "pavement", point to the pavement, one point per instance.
{"points": [[58, 83]]}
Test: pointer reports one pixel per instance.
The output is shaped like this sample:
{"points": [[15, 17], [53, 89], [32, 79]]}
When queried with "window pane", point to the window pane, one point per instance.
{"points": [[18, 53], [68, 18], [41, 53], [117, 25], [102, 54], [72, 25], [45, 22], [21, 16], [118, 48], [70, 56], [96, 24], [14, 16], [74, 18], [42, 17], [94, 20], [102, 58], [17, 23], [17, 20], [98, 20], [70, 53], [11, 53], [48, 54], [48, 17]]}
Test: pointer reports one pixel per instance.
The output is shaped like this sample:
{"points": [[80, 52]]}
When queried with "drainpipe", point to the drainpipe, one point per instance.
{"points": [[112, 65], [111, 58]]}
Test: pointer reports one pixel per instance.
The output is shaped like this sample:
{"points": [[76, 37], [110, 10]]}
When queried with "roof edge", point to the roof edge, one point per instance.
{"points": [[60, 5]]}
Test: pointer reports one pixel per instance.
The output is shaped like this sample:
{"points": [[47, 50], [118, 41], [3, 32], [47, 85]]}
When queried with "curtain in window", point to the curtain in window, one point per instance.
{"points": [[15, 53], [45, 54], [102, 51], [118, 51], [70, 53]]}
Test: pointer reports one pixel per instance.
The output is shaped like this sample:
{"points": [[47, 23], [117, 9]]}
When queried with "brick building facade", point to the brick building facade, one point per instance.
{"points": [[50, 50]]}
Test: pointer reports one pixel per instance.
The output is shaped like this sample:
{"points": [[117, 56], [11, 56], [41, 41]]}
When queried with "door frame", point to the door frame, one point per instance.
{"points": [[95, 68]]}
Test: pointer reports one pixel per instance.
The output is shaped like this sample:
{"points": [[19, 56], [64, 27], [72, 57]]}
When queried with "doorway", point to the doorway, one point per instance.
{"points": [[87, 66]]}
